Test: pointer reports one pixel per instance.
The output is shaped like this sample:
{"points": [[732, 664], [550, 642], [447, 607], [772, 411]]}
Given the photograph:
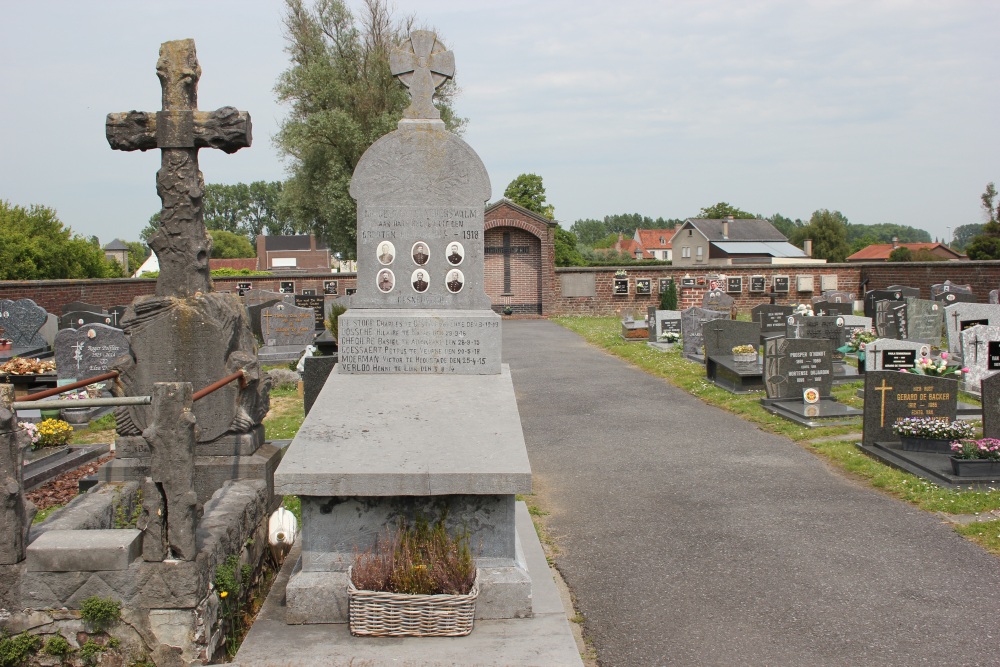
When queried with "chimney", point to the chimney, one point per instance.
{"points": [[725, 226], [807, 247], [895, 242], [312, 241]]}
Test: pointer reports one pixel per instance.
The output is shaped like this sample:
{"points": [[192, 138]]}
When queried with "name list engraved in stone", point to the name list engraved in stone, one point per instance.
{"points": [[385, 222], [418, 345]]}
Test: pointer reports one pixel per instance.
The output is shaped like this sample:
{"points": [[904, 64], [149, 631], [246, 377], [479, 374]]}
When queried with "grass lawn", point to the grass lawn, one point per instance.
{"points": [[603, 332]]}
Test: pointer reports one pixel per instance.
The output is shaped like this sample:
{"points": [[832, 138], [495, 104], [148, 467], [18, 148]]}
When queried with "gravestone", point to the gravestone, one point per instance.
{"points": [[961, 316], [924, 321], [692, 320], [81, 307], [990, 395], [874, 296], [399, 428], [853, 323], [837, 296], [793, 365], [982, 355], [826, 308], [663, 321], [21, 321], [890, 319], [721, 336], [906, 292], [88, 351], [287, 330], [78, 318], [891, 396], [318, 304], [773, 319], [717, 299], [826, 328], [256, 300], [50, 329], [994, 296], [117, 313], [950, 293], [186, 332], [889, 354]]}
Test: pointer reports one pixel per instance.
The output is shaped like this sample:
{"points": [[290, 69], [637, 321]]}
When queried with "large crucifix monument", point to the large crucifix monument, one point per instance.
{"points": [[186, 332]]}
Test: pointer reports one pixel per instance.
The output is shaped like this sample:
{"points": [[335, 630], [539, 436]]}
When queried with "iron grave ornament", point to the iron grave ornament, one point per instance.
{"points": [[422, 65]]}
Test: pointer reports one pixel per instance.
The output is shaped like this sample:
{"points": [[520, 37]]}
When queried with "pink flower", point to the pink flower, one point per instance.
{"points": [[944, 355], [965, 370]]}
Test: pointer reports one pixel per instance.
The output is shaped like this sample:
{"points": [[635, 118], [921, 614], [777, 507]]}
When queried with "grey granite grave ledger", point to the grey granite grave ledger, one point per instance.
{"points": [[692, 320], [854, 322], [663, 321], [792, 365], [419, 417], [982, 355], [891, 396], [889, 354], [722, 335], [717, 299], [924, 321], [960, 316], [88, 351], [21, 321]]}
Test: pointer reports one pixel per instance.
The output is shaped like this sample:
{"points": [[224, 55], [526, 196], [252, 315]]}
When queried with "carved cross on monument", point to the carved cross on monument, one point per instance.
{"points": [[423, 65], [882, 389], [182, 245]]}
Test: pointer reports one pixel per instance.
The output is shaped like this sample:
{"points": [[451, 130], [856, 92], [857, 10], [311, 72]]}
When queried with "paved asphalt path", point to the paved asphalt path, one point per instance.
{"points": [[689, 537]]}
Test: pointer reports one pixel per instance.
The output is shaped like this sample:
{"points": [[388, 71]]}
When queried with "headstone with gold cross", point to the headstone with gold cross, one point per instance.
{"points": [[186, 332], [892, 395]]}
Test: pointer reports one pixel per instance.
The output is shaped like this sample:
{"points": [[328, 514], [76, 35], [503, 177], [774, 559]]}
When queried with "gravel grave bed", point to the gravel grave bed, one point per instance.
{"points": [[64, 488]]}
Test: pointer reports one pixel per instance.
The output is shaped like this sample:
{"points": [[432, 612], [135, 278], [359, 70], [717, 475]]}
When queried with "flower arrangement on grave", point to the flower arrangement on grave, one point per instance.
{"points": [[745, 353], [90, 391], [969, 449], [941, 368], [416, 580], [31, 430], [53, 432], [859, 340], [933, 428], [804, 309], [670, 337], [24, 366]]}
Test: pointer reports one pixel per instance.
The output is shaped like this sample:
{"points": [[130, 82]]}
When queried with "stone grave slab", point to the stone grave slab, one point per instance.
{"points": [[79, 318], [990, 396], [692, 320], [286, 330], [889, 354], [793, 365], [318, 304], [994, 296], [117, 313], [50, 329], [721, 367], [960, 316], [772, 318], [955, 297], [661, 322], [21, 321], [837, 296], [907, 292], [891, 396], [982, 355], [890, 319], [88, 351], [924, 321], [717, 299], [940, 291], [721, 336], [874, 296], [824, 308]]}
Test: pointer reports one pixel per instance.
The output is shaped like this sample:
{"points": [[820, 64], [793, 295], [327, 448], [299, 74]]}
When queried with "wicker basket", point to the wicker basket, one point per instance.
{"points": [[378, 614]]}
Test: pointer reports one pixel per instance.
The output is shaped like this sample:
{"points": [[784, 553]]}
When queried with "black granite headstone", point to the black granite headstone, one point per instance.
{"points": [[874, 296], [891, 396], [77, 319], [890, 319], [772, 319], [832, 308], [793, 365], [317, 303], [81, 307], [721, 336], [990, 387]]}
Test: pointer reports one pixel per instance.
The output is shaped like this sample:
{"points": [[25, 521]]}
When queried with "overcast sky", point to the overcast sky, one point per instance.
{"points": [[883, 110]]}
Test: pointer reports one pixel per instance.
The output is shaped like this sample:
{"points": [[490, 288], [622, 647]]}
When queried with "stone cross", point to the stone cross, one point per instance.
{"points": [[976, 343], [182, 245], [422, 65]]}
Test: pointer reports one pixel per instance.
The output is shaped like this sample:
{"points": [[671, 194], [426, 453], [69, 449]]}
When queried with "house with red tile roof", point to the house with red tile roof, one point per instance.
{"points": [[656, 242], [879, 252]]}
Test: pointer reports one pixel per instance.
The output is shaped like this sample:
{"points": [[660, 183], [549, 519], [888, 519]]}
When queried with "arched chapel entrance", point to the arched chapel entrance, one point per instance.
{"points": [[519, 260]]}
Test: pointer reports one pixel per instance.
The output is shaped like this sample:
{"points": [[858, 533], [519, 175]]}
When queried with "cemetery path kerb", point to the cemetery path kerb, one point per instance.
{"points": [[690, 537]]}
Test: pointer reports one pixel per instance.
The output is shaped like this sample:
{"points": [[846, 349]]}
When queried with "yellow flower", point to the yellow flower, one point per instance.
{"points": [[223, 594]]}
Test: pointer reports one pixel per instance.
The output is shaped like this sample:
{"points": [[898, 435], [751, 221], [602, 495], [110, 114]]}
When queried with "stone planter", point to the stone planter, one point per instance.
{"points": [[911, 444], [76, 415], [747, 358], [975, 467]]}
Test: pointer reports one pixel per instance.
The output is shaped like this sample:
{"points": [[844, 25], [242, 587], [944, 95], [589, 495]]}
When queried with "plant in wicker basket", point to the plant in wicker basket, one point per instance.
{"points": [[417, 581]]}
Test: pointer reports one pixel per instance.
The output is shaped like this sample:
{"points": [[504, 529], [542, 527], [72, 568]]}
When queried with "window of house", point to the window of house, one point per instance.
{"points": [[663, 241], [686, 252], [699, 253]]}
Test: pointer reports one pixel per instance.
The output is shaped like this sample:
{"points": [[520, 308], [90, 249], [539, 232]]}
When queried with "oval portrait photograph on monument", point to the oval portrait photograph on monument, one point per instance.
{"points": [[385, 280], [420, 253], [386, 252], [455, 253], [419, 280], [455, 281]]}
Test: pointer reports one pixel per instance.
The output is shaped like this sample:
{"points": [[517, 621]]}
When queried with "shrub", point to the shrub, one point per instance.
{"points": [[100, 613], [57, 646], [16, 650], [53, 432], [282, 378], [668, 297], [418, 560], [336, 310]]}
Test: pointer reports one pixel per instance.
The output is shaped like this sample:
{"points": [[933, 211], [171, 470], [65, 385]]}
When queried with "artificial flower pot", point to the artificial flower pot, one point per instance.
{"points": [[76, 415], [975, 467], [50, 413], [913, 444]]}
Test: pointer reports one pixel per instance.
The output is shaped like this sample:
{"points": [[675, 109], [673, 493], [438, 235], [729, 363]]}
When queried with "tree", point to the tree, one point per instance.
{"points": [[721, 210], [785, 225], [987, 198], [228, 245], [589, 231], [964, 235], [527, 190], [986, 245], [137, 254], [35, 245], [828, 231], [901, 254], [565, 249], [343, 97], [885, 233]]}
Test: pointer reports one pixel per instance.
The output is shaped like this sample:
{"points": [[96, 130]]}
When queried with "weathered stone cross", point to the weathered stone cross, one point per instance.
{"points": [[423, 70], [182, 245]]}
